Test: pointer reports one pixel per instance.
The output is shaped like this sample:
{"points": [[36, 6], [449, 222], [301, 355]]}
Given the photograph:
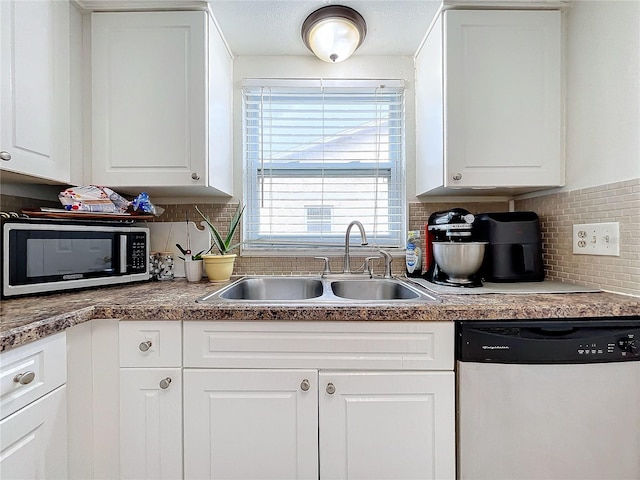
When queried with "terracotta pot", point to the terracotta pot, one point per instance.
{"points": [[193, 270], [219, 267]]}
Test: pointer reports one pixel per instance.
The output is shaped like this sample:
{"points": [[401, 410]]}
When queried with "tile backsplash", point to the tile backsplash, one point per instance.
{"points": [[617, 202], [11, 203], [273, 265]]}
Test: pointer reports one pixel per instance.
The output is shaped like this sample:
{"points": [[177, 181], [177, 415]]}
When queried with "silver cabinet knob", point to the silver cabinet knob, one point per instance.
{"points": [[331, 388], [164, 383], [457, 176], [305, 385], [6, 156], [144, 346], [195, 176], [24, 378]]}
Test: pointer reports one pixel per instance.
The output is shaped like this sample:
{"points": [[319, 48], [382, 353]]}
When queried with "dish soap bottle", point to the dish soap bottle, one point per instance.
{"points": [[413, 255]]}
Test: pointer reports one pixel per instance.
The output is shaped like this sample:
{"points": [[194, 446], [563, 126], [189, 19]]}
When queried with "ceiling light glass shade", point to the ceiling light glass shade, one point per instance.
{"points": [[334, 32]]}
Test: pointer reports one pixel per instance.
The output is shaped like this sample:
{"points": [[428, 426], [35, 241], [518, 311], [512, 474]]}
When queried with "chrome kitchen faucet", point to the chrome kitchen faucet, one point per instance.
{"points": [[363, 237]]}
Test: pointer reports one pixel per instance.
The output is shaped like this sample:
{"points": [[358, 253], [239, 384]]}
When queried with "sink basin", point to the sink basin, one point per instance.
{"points": [[274, 288], [338, 290], [373, 290]]}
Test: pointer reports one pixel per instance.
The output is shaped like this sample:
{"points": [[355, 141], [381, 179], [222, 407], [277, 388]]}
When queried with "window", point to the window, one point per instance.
{"points": [[319, 218], [319, 154]]}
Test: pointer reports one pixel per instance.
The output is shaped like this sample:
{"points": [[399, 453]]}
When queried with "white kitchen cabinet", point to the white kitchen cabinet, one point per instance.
{"points": [[265, 424], [150, 343], [488, 102], [35, 96], [387, 425], [379, 396], [252, 401], [124, 423], [151, 423], [33, 407], [33, 441], [251, 424], [161, 102], [150, 400], [93, 399]]}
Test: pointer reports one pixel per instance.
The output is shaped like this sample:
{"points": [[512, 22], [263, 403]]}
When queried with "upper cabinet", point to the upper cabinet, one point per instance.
{"points": [[488, 103], [35, 92], [161, 103]]}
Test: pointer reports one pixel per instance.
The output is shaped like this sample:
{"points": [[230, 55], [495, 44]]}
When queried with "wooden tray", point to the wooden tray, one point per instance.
{"points": [[132, 217]]}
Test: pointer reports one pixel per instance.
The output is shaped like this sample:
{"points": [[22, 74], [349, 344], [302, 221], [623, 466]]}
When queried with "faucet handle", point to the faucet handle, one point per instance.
{"points": [[327, 269], [367, 265], [387, 263]]}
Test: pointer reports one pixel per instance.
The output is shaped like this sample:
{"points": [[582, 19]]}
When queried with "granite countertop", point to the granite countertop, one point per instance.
{"points": [[26, 319]]}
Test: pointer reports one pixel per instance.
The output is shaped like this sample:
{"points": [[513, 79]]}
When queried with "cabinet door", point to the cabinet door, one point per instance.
{"points": [[387, 425], [503, 99], [150, 423], [33, 441], [149, 98], [251, 424], [35, 88], [430, 112]]}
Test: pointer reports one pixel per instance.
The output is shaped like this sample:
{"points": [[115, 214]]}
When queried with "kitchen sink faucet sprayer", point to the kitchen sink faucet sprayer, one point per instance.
{"points": [[363, 237]]}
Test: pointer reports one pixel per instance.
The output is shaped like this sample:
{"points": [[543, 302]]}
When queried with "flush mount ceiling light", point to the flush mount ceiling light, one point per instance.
{"points": [[334, 32]]}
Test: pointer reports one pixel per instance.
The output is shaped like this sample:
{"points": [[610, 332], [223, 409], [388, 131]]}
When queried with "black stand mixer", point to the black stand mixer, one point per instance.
{"points": [[452, 226]]}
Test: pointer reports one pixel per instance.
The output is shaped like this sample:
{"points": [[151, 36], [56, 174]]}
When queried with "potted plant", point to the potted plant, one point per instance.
{"points": [[219, 266], [192, 263]]}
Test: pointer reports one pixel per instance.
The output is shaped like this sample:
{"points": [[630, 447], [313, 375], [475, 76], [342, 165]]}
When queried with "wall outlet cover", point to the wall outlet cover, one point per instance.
{"points": [[597, 239]]}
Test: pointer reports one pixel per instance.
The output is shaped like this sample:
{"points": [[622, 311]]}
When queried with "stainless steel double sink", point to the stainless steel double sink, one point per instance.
{"points": [[342, 289]]}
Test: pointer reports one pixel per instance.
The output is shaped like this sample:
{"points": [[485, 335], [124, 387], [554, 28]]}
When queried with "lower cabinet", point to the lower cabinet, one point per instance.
{"points": [[286, 400], [251, 424], [308, 424], [319, 400], [150, 357], [33, 441], [386, 425], [150, 423], [33, 410]]}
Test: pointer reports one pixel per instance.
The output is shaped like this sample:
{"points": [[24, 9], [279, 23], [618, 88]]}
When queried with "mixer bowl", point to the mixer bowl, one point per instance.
{"points": [[459, 260]]}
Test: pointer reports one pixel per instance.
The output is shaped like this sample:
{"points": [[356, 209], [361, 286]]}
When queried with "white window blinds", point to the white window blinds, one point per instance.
{"points": [[319, 154]]}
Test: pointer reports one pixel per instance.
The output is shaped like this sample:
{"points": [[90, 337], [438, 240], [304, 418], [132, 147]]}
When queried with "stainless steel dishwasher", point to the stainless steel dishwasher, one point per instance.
{"points": [[553, 400]]}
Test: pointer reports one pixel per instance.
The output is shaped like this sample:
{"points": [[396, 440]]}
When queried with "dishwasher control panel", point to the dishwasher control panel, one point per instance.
{"points": [[627, 345], [549, 342]]}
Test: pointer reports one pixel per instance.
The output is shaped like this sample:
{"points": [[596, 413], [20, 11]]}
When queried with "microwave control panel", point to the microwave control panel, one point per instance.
{"points": [[137, 255]]}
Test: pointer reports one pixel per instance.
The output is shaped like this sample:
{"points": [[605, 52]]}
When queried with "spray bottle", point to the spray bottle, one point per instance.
{"points": [[413, 255]]}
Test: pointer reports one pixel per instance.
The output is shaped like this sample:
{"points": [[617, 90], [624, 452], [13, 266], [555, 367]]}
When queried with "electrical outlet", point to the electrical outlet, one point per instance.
{"points": [[597, 239]]}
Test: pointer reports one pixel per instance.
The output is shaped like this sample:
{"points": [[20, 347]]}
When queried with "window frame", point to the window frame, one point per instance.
{"points": [[330, 243]]}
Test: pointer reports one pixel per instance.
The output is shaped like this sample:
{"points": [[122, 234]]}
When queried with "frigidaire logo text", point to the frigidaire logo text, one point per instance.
{"points": [[72, 276], [495, 347]]}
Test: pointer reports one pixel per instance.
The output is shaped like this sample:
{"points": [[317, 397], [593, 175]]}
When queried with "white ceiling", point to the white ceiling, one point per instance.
{"points": [[272, 27]]}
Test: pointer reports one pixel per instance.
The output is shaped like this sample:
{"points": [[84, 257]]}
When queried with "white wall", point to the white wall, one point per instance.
{"points": [[603, 92], [311, 67]]}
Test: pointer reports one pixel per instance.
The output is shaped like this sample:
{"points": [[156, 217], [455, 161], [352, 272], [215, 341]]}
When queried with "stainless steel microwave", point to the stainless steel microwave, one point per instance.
{"points": [[44, 255]]}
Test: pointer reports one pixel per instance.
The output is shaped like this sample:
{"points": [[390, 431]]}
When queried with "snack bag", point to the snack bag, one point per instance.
{"points": [[143, 203], [93, 199]]}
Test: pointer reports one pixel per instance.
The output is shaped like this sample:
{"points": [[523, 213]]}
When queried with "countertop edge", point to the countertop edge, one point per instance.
{"points": [[42, 328], [24, 321]]}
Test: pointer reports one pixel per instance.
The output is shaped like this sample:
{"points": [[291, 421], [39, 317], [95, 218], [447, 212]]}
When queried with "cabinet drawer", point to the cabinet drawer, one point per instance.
{"points": [[361, 345], [150, 343], [30, 371]]}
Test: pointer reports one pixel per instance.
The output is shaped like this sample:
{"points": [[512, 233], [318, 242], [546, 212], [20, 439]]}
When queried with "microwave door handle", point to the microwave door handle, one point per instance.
{"points": [[123, 254]]}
